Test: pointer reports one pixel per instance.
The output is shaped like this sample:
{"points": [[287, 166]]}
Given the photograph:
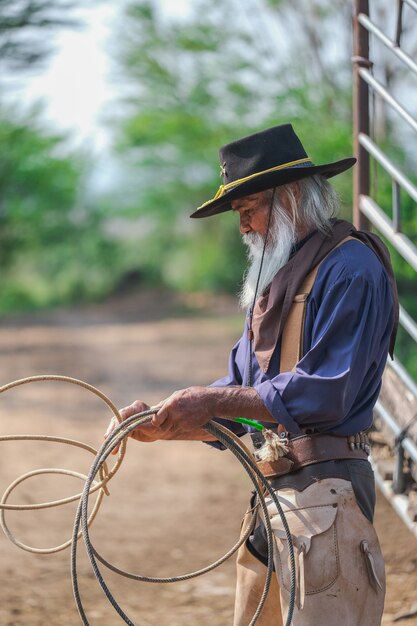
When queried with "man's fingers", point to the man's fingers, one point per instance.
{"points": [[132, 409], [160, 419], [110, 427], [162, 426]]}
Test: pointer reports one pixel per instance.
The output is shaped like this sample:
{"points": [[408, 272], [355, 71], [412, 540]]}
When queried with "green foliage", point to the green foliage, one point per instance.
{"points": [[52, 245], [35, 188]]}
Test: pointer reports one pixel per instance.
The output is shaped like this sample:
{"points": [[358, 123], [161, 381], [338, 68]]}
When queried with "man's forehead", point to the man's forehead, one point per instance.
{"points": [[249, 201]]}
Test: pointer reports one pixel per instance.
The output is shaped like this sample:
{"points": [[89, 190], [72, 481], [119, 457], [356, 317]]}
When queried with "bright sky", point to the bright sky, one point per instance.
{"points": [[74, 86]]}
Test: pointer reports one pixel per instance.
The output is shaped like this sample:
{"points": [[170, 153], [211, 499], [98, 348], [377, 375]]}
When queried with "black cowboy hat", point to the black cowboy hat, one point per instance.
{"points": [[262, 161]]}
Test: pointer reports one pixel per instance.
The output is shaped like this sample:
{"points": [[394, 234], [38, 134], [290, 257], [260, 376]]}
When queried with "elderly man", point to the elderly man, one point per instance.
{"points": [[321, 317]]}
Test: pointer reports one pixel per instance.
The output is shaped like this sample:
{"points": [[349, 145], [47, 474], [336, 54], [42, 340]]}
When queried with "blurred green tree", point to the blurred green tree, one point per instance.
{"points": [[53, 248]]}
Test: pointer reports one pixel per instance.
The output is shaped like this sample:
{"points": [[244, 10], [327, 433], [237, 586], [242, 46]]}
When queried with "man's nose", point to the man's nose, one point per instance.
{"points": [[244, 225]]}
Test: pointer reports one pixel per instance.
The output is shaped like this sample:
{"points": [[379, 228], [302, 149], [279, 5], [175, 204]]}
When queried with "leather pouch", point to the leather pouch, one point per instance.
{"points": [[314, 535]]}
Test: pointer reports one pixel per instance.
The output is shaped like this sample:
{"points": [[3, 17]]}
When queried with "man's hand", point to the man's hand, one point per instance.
{"points": [[128, 411], [183, 414], [168, 423]]}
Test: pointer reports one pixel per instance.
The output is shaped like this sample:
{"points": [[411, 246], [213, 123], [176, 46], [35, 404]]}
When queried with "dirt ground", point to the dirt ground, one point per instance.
{"points": [[174, 507]]}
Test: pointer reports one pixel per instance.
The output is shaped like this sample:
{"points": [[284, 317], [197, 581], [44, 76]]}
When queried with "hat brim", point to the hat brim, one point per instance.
{"points": [[270, 180]]}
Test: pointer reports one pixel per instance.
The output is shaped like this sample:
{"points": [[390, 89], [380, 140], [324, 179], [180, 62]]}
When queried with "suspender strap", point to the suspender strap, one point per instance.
{"points": [[293, 334]]}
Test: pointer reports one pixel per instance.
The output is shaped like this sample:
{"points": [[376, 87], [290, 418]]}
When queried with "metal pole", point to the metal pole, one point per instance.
{"points": [[360, 112], [399, 27]]}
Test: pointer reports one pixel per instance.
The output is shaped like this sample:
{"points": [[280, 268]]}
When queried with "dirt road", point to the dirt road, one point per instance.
{"points": [[173, 508]]}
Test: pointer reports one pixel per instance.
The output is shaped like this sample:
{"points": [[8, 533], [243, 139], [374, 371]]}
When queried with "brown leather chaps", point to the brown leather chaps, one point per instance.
{"points": [[339, 565]]}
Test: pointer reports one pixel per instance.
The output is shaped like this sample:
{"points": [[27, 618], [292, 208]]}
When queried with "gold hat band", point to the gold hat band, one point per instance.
{"points": [[223, 188]]}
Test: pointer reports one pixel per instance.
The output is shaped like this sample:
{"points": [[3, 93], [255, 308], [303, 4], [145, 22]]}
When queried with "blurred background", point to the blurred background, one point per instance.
{"points": [[111, 116]]}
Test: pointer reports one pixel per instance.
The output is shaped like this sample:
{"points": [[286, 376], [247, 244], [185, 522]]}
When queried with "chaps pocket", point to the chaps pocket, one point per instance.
{"points": [[313, 531], [370, 566]]}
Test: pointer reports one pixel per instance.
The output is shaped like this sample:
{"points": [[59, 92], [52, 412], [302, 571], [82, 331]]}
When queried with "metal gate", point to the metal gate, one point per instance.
{"points": [[396, 410]]}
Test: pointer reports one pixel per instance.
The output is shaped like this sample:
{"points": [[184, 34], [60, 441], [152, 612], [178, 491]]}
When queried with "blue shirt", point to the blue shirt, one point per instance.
{"points": [[349, 318]]}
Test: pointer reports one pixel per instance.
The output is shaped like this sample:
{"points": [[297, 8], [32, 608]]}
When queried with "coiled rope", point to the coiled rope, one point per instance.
{"points": [[99, 468]]}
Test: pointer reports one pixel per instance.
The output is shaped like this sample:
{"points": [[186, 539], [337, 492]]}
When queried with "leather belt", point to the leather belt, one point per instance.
{"points": [[310, 449]]}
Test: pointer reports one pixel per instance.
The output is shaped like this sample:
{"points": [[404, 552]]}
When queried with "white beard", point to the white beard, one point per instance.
{"points": [[281, 239]]}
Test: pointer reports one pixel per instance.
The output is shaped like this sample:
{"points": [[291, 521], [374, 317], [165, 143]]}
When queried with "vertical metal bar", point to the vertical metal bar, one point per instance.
{"points": [[360, 112], [398, 479], [399, 22], [396, 206]]}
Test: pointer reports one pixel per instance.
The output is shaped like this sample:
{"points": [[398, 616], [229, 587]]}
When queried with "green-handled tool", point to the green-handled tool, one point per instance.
{"points": [[244, 420]]}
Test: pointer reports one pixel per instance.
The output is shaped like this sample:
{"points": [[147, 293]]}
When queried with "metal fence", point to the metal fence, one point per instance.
{"points": [[367, 212]]}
